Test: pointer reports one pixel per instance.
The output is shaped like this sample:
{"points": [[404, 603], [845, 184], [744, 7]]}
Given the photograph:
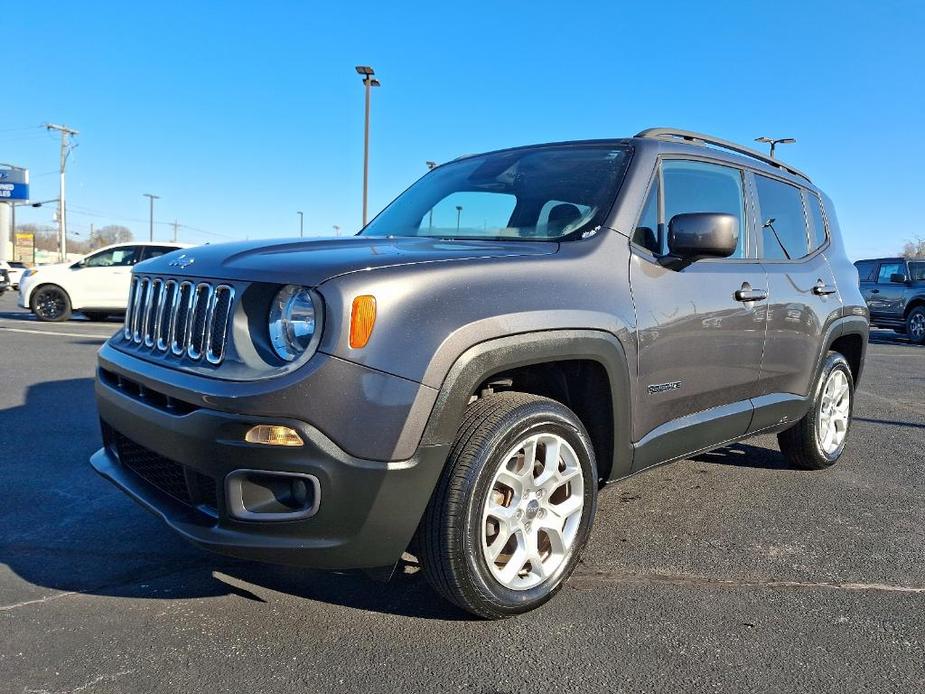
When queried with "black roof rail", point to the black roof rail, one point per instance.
{"points": [[701, 139]]}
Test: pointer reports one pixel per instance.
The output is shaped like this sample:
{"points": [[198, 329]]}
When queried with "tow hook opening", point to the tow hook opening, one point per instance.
{"points": [[265, 495]]}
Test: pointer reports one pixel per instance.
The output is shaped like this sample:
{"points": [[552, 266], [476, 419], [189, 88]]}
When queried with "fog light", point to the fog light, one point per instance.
{"points": [[273, 435]]}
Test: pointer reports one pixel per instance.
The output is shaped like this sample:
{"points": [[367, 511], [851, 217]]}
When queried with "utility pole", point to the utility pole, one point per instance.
{"points": [[368, 81], [151, 214], [175, 225], [66, 148], [301, 224]]}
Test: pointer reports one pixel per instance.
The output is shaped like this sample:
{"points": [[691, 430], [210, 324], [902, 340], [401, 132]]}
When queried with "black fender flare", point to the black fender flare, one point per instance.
{"points": [[486, 359], [846, 325]]}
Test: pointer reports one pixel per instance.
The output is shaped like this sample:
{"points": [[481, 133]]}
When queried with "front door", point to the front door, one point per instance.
{"points": [[105, 277], [887, 297], [700, 327]]}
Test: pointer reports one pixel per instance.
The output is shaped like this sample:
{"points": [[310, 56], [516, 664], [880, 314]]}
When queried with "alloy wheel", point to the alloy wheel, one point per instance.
{"points": [[49, 304], [834, 412], [533, 512], [917, 326]]}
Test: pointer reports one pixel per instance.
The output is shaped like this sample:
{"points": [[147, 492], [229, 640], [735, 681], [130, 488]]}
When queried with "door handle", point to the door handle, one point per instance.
{"points": [[823, 289], [746, 293]]}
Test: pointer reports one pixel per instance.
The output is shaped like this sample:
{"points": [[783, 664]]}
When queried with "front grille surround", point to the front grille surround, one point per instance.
{"points": [[181, 317]]}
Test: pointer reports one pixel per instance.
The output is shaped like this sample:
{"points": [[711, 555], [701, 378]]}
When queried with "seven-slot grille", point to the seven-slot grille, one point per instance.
{"points": [[180, 317]]}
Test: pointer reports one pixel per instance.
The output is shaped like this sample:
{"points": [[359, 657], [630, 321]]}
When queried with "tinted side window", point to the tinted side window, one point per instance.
{"points": [[782, 219], [157, 251], [646, 234], [817, 233], [917, 271], [866, 270], [693, 186], [887, 269]]}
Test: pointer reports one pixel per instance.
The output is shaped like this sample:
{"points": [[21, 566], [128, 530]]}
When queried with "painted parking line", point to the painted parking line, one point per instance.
{"points": [[55, 332]]}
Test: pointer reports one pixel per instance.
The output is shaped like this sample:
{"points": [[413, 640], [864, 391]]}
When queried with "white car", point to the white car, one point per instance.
{"points": [[15, 270], [97, 285]]}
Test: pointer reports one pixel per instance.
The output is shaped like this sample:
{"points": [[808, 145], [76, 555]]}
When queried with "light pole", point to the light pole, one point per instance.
{"points": [[151, 199], [336, 229], [369, 82], [458, 215], [301, 224], [431, 165], [774, 142]]}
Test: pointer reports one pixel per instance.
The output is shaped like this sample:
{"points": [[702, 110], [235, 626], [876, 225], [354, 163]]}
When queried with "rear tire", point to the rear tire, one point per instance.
{"points": [[50, 303], [915, 325], [501, 534], [818, 440]]}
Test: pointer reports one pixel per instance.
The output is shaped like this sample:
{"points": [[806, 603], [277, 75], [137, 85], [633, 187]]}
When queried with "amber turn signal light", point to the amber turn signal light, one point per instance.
{"points": [[362, 320], [273, 435]]}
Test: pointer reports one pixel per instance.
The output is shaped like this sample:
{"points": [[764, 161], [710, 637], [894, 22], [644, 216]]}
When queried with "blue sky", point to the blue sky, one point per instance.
{"points": [[239, 114]]}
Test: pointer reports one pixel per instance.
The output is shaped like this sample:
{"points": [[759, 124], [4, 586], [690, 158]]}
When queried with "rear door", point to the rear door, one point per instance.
{"points": [[888, 296], [699, 346], [803, 296]]}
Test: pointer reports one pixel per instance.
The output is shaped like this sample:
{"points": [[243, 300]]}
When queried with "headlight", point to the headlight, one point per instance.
{"points": [[292, 321]]}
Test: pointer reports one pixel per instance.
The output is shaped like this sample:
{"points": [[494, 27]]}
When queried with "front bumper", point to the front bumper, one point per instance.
{"points": [[368, 513]]}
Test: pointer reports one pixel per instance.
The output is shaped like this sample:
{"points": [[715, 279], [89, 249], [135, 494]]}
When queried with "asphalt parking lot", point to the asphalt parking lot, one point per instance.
{"points": [[726, 572]]}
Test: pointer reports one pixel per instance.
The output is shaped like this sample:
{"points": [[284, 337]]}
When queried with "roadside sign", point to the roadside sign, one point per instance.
{"points": [[24, 248], [14, 183]]}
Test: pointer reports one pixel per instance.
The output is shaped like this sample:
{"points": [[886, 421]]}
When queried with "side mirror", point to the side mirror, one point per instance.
{"points": [[898, 278], [703, 235]]}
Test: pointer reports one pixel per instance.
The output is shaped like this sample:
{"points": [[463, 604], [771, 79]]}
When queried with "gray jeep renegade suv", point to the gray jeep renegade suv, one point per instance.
{"points": [[459, 380]]}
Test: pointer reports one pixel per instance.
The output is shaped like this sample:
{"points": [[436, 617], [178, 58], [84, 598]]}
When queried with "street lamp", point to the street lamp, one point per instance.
{"points": [[336, 229], [774, 142], [458, 215], [368, 81], [151, 214], [301, 225], [431, 165]]}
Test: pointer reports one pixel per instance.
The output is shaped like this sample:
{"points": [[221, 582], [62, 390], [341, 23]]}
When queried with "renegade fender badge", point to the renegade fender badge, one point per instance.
{"points": [[662, 387]]}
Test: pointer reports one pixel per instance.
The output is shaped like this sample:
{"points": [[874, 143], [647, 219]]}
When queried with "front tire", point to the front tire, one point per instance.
{"points": [[818, 440], [915, 325], [513, 508], [50, 303]]}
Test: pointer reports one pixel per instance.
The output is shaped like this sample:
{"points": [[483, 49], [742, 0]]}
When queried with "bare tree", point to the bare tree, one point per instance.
{"points": [[914, 249], [112, 233]]}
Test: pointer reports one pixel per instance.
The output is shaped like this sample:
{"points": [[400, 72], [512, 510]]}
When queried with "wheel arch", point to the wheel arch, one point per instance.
{"points": [[41, 285], [848, 337], [515, 355], [915, 302]]}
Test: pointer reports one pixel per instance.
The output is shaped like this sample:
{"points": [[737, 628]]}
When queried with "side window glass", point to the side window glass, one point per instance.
{"points": [[888, 269], [157, 251], [866, 270], [917, 272], [693, 186], [782, 219], [817, 234], [646, 233], [114, 257]]}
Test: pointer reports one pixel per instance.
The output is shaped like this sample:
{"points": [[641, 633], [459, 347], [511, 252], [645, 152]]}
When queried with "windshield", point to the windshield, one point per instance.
{"points": [[535, 193]]}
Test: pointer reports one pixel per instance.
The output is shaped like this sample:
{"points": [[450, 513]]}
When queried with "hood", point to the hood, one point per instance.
{"points": [[311, 262]]}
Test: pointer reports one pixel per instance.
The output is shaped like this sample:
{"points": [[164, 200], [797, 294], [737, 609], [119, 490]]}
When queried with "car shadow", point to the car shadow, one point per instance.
{"points": [[745, 455], [889, 337], [66, 529]]}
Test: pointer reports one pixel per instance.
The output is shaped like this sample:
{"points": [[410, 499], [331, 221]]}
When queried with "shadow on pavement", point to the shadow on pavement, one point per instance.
{"points": [[744, 455], [889, 337], [66, 529], [889, 422]]}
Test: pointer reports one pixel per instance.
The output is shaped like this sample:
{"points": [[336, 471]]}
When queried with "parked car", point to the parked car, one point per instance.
{"points": [[894, 289], [513, 332], [15, 270], [96, 285]]}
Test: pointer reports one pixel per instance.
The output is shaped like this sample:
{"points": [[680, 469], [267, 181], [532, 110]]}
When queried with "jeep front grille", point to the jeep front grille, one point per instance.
{"points": [[182, 317]]}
